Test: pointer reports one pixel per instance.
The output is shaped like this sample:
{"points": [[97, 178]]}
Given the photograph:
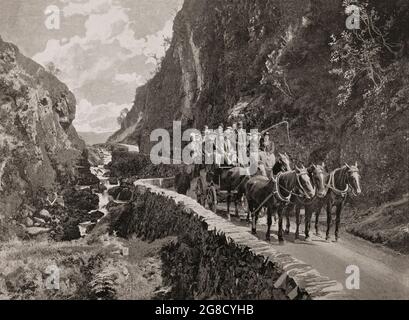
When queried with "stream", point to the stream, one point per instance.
{"points": [[100, 172]]}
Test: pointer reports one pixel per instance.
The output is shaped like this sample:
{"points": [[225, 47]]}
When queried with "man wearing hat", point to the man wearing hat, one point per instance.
{"points": [[267, 157]]}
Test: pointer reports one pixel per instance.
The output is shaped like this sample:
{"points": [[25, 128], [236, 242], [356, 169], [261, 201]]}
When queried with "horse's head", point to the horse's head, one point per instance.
{"points": [[304, 182], [354, 179], [318, 175], [284, 161]]}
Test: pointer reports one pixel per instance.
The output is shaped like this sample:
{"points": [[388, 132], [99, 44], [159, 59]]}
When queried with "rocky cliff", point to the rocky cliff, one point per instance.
{"points": [[344, 93], [39, 148]]}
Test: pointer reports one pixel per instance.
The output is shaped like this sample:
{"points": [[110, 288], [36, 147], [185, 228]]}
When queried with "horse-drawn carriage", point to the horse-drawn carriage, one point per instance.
{"points": [[280, 191], [213, 187]]}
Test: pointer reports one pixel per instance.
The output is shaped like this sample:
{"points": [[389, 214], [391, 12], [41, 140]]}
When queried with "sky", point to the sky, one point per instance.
{"points": [[102, 48]]}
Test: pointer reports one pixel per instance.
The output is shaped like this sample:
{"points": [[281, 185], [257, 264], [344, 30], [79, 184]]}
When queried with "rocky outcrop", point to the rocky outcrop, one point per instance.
{"points": [[271, 61], [39, 148]]}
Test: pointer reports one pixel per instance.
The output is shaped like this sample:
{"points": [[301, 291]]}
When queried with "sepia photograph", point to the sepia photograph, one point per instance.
{"points": [[217, 152]]}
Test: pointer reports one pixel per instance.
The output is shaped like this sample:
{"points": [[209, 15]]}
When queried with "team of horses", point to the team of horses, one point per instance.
{"points": [[290, 189]]}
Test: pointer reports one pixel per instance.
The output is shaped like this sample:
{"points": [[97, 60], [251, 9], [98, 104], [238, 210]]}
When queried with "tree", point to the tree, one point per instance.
{"points": [[358, 54], [122, 116]]}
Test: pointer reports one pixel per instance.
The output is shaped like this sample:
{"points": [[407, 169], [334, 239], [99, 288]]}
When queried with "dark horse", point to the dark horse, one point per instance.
{"points": [[340, 181], [235, 181], [319, 178], [183, 179], [275, 193]]}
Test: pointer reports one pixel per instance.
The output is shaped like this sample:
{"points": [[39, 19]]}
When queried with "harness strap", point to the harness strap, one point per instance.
{"points": [[277, 189], [331, 184]]}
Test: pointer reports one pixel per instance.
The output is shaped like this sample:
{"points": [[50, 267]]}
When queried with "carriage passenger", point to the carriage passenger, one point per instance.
{"points": [[229, 147], [196, 147], [267, 157], [209, 139], [253, 146], [219, 145], [242, 145]]}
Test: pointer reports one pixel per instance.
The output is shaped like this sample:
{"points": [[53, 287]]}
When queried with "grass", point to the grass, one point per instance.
{"points": [[87, 271], [388, 225]]}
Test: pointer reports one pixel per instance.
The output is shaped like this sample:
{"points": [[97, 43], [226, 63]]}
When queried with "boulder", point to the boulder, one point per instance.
{"points": [[114, 192], [99, 188], [113, 181], [45, 214], [81, 199], [87, 179], [35, 231], [125, 195], [28, 222], [94, 216], [39, 220]]}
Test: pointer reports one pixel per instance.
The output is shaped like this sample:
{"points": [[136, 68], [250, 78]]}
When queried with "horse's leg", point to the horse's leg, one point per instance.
{"points": [[253, 217], [297, 222], [317, 220], [287, 211], [228, 204], [307, 222], [329, 220], [269, 222], [338, 220], [280, 225], [248, 211], [236, 206]]}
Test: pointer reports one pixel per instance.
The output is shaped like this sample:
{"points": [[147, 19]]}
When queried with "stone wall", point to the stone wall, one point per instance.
{"points": [[217, 259]]}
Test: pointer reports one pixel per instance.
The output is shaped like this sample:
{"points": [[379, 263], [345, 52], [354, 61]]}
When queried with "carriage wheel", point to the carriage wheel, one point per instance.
{"points": [[212, 199], [200, 194]]}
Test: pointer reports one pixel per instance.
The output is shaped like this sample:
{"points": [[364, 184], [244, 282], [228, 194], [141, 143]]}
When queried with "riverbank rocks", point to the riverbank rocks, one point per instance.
{"points": [[87, 179], [81, 199], [114, 192], [98, 188]]}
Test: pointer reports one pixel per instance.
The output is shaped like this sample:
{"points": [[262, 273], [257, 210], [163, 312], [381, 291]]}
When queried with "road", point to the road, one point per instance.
{"points": [[131, 147], [383, 273]]}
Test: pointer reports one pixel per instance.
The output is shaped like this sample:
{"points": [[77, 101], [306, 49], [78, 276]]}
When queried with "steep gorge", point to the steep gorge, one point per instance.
{"points": [[218, 59]]}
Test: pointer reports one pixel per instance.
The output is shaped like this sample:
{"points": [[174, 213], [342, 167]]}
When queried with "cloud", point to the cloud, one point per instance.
{"points": [[130, 78], [98, 118], [109, 40], [85, 7], [111, 55]]}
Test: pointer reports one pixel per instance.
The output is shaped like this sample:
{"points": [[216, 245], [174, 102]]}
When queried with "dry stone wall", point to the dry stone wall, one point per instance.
{"points": [[214, 258]]}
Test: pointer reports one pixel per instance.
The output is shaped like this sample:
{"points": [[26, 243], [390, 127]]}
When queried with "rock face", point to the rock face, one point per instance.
{"points": [[271, 61], [39, 147]]}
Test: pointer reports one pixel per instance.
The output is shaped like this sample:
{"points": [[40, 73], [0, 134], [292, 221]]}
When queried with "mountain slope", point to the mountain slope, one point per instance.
{"points": [[272, 61], [39, 148]]}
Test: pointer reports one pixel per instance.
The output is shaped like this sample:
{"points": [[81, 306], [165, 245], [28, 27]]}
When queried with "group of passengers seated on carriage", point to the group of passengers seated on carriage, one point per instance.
{"points": [[233, 146]]}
